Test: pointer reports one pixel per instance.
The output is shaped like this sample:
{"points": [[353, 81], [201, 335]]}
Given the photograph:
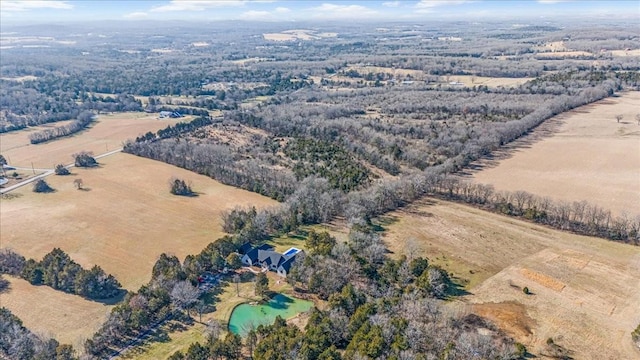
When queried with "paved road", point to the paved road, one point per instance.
{"points": [[47, 172]]}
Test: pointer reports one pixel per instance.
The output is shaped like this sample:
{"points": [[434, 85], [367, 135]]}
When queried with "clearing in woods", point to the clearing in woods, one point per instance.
{"points": [[106, 134], [585, 291], [179, 338], [124, 219], [68, 318], [583, 154]]}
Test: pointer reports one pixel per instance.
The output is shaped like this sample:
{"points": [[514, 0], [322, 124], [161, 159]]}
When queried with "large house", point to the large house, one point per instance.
{"points": [[170, 114], [265, 257]]}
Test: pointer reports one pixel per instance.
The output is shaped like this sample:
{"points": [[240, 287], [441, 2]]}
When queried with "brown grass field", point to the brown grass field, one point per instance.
{"points": [[124, 220], [470, 81], [585, 291], [107, 134], [584, 154], [630, 52], [68, 318]]}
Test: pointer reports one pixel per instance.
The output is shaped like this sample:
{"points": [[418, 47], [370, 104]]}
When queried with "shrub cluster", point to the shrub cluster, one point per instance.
{"points": [[180, 187], [61, 170], [85, 159], [41, 186]]}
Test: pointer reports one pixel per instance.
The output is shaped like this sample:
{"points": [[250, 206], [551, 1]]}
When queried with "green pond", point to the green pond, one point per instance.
{"points": [[246, 316]]}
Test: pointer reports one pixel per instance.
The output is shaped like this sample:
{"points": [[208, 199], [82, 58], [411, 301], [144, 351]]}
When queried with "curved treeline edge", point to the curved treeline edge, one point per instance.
{"points": [[82, 121], [59, 271]]}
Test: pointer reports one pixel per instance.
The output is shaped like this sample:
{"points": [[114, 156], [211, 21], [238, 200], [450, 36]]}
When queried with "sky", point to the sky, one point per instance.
{"points": [[54, 11]]}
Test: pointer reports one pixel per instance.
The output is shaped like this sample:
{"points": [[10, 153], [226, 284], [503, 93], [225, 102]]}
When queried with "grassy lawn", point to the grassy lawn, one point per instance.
{"points": [[174, 336], [297, 239]]}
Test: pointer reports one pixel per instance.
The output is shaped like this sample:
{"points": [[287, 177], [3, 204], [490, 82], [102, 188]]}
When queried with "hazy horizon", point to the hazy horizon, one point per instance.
{"points": [[19, 12]]}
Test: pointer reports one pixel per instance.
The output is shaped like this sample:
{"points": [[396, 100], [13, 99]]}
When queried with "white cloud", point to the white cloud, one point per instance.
{"points": [[136, 15], [552, 1], [328, 11], [278, 14], [391, 3], [197, 5], [22, 5], [255, 15], [427, 6]]}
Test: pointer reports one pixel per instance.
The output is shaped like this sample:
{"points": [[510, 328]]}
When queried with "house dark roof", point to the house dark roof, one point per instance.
{"points": [[253, 253], [270, 257], [245, 248], [288, 262], [286, 265]]}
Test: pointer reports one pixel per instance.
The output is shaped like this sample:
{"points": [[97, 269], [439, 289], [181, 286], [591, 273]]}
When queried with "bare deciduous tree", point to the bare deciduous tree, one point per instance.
{"points": [[184, 295], [78, 184]]}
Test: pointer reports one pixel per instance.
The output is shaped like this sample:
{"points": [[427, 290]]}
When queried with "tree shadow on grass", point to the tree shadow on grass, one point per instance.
{"points": [[456, 287], [384, 221], [189, 195], [458, 290], [112, 300]]}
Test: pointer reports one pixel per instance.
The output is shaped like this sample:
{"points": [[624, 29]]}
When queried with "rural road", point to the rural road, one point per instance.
{"points": [[46, 173]]}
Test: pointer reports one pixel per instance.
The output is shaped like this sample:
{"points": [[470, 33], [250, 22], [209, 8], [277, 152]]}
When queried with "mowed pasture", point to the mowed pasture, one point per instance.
{"points": [[106, 134], [68, 318], [585, 291], [584, 154], [492, 82], [124, 219]]}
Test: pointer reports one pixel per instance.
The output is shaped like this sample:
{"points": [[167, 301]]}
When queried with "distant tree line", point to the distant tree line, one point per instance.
{"points": [[59, 271], [182, 110], [82, 121]]}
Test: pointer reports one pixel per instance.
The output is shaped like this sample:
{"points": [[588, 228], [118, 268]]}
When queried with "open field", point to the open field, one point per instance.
{"points": [[124, 220], [470, 81], [563, 54], [106, 134], [630, 52], [68, 318], [20, 78], [585, 290], [584, 154], [300, 34]]}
